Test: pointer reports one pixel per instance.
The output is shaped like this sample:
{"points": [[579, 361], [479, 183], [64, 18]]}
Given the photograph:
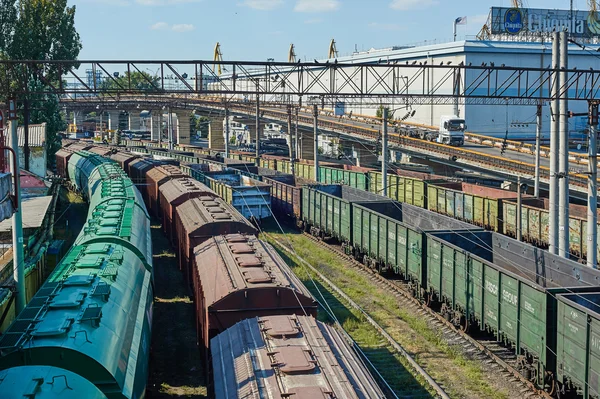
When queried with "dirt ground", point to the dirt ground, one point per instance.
{"points": [[176, 369]]}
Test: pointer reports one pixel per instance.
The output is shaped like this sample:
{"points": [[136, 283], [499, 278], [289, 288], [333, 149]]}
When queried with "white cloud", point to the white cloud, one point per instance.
{"points": [[175, 27], [182, 27], [151, 3], [412, 4], [316, 5], [381, 26], [262, 4], [109, 2], [160, 26], [313, 21]]}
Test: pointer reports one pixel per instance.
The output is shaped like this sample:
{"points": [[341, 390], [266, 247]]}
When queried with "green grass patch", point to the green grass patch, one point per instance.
{"points": [[383, 307]]}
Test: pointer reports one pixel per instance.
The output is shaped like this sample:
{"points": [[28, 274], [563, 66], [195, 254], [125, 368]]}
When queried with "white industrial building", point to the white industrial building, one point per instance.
{"points": [[484, 119]]}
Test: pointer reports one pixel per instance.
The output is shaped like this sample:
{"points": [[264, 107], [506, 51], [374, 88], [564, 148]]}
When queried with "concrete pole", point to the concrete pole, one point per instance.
{"points": [[563, 163], [538, 138], [554, 138], [519, 210], [171, 138], [26, 150], [384, 151], [316, 140], [17, 227], [291, 146], [592, 211], [226, 131], [258, 129], [296, 141]]}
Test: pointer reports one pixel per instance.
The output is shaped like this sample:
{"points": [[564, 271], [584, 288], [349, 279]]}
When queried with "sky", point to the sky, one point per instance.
{"points": [[255, 30]]}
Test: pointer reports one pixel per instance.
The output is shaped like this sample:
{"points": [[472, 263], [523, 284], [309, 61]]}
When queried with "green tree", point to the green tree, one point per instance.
{"points": [[202, 125], [38, 30], [379, 112], [134, 81]]}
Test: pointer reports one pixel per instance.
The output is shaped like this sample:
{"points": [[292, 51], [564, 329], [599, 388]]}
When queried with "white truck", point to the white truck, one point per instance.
{"points": [[452, 130]]}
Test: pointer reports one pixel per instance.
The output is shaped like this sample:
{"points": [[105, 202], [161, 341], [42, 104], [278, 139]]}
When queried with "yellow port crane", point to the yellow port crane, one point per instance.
{"points": [[292, 53], [333, 53], [218, 57]]}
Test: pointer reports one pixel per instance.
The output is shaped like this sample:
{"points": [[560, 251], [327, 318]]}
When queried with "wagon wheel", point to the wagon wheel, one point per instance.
{"points": [[552, 390], [427, 299], [464, 327]]}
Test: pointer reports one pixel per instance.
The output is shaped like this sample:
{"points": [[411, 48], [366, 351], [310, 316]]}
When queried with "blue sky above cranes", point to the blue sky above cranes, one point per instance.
{"points": [[262, 29]]}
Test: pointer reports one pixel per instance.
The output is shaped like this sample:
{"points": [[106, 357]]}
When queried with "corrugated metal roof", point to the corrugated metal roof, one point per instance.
{"points": [[176, 189], [238, 262], [33, 211], [281, 356], [37, 136]]}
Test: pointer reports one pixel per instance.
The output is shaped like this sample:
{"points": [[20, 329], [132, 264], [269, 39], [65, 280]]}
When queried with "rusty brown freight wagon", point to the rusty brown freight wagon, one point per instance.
{"points": [[238, 276], [123, 159], [62, 162], [175, 192], [199, 219], [156, 177]]}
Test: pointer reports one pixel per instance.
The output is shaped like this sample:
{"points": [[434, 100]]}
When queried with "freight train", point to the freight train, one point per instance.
{"points": [[544, 307], [233, 275], [89, 325], [493, 209]]}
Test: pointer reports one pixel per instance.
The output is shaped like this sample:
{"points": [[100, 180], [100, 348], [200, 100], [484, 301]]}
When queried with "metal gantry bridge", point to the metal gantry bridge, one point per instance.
{"points": [[384, 82]]}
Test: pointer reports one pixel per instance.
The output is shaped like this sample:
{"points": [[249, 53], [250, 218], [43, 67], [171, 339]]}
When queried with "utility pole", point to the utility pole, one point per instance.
{"points": [[384, 151], [316, 140], [226, 131], [563, 163], [257, 129], [17, 220], [592, 210], [298, 151], [538, 135], [519, 210], [291, 146], [554, 138], [171, 138]]}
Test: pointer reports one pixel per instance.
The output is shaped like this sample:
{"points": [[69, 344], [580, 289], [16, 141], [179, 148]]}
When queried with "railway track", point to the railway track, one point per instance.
{"points": [[404, 385], [495, 357]]}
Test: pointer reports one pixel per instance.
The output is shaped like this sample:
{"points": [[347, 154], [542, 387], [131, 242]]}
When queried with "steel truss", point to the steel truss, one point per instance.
{"points": [[361, 83]]}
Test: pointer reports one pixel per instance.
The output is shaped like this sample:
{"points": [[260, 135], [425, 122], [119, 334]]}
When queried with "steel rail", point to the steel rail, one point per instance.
{"points": [[436, 316], [434, 385]]}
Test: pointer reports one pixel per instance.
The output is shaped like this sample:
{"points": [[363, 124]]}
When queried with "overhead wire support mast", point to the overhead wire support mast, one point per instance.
{"points": [[226, 106], [563, 163], [17, 219], [554, 138], [291, 145], [592, 215], [316, 141], [384, 151], [257, 129]]}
